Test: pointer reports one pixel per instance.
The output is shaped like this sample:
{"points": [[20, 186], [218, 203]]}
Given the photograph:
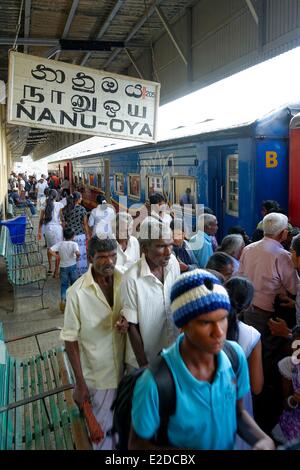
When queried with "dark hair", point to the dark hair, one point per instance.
{"points": [[208, 210], [240, 291], [76, 196], [271, 206], [46, 191], [258, 234], [49, 206], [217, 274], [98, 245], [218, 261], [177, 223], [238, 230], [68, 233], [69, 207], [100, 198], [296, 244], [156, 198]]}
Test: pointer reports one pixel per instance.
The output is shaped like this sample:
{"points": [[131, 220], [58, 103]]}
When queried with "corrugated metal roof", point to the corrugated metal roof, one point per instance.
{"points": [[48, 19]]}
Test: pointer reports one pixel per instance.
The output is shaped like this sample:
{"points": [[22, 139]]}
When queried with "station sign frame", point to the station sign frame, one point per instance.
{"points": [[64, 97]]}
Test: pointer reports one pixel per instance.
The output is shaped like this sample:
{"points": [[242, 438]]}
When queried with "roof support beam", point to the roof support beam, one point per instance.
{"points": [[134, 30], [105, 26], [262, 26], [72, 44], [170, 33], [68, 23], [134, 63], [252, 10], [27, 11], [189, 43]]}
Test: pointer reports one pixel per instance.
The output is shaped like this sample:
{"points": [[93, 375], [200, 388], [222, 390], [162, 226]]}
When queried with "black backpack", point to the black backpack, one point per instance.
{"points": [[163, 377]]}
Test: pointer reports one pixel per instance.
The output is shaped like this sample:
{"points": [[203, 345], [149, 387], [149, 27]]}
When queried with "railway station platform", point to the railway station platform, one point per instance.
{"points": [[28, 316]]}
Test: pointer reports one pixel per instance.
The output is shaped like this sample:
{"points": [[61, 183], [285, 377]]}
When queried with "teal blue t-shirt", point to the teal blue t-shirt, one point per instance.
{"points": [[205, 416], [201, 244]]}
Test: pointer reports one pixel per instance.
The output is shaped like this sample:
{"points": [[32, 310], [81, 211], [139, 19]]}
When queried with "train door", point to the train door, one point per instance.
{"points": [[223, 186]]}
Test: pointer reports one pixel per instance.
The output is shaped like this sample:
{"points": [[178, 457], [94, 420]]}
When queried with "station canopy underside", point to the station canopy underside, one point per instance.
{"points": [[183, 44]]}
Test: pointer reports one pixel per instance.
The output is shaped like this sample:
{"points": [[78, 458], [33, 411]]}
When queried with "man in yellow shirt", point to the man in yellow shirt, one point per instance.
{"points": [[93, 344]]}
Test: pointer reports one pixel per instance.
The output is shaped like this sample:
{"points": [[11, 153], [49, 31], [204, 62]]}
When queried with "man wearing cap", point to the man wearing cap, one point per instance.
{"points": [[209, 407]]}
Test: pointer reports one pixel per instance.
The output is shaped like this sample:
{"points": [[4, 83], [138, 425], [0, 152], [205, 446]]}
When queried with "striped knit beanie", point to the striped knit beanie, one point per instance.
{"points": [[196, 292]]}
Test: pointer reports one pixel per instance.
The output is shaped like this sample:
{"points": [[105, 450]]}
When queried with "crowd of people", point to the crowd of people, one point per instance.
{"points": [[132, 292]]}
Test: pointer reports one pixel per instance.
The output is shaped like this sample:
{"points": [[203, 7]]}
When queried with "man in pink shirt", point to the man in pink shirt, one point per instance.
{"points": [[268, 265], [271, 270]]}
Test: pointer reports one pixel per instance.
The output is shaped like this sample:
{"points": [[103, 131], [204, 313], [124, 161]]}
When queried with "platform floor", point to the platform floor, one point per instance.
{"points": [[29, 315]]}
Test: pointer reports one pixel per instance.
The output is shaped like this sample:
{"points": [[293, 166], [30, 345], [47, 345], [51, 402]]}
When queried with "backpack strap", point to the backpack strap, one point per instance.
{"points": [[166, 394], [232, 356]]}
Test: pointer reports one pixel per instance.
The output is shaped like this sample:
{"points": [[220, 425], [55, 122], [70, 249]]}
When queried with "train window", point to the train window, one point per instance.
{"points": [[180, 194], [154, 184], [232, 185], [92, 179], [134, 185], [98, 181], [119, 183]]}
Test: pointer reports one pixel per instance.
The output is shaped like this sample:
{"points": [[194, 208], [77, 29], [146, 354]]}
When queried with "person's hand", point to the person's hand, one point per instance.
{"points": [[183, 267], [81, 394], [265, 443], [122, 325], [296, 395], [279, 327], [39, 236], [286, 301]]}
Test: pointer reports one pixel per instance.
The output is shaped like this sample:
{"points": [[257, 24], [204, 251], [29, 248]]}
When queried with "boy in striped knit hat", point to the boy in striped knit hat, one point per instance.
{"points": [[209, 392]]}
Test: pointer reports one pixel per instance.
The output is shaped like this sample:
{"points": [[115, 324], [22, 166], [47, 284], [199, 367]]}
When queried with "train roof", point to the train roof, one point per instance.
{"points": [[274, 123]]}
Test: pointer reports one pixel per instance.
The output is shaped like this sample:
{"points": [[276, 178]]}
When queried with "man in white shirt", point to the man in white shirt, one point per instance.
{"points": [[158, 209], [128, 249], [40, 192], [94, 346], [145, 295]]}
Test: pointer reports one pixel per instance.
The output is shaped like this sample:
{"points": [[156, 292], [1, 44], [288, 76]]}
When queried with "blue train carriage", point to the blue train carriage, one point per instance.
{"points": [[272, 158], [89, 178], [231, 170]]}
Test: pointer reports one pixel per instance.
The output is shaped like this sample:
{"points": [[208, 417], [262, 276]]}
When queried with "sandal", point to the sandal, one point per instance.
{"points": [[49, 271]]}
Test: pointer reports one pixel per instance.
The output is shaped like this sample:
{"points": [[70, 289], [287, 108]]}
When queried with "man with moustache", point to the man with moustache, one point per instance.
{"points": [[145, 294], [94, 345]]}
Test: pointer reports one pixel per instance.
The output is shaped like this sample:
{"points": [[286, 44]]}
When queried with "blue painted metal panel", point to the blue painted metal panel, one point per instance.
{"points": [[271, 173]]}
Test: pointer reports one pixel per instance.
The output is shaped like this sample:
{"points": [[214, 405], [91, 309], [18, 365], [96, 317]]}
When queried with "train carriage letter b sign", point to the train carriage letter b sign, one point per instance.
{"points": [[69, 98]]}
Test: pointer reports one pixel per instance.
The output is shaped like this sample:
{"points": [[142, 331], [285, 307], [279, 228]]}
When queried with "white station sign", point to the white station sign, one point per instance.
{"points": [[58, 96]]}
